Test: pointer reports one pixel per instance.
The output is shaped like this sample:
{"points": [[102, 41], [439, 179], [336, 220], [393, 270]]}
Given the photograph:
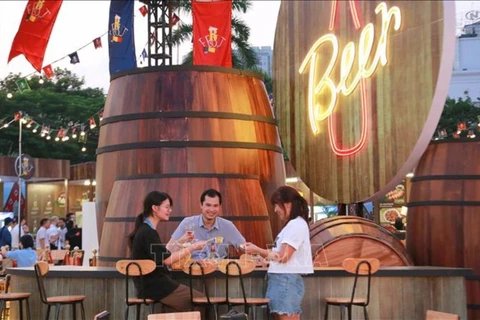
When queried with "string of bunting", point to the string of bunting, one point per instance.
{"points": [[462, 128], [22, 83], [74, 57], [74, 130]]}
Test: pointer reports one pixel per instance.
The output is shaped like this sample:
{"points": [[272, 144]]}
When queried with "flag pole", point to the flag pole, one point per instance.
{"points": [[19, 176]]}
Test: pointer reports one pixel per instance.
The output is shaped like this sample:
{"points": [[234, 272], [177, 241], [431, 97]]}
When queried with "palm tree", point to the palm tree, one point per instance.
{"points": [[244, 57]]}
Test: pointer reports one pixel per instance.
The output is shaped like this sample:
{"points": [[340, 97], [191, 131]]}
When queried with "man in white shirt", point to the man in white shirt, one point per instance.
{"points": [[52, 233], [62, 230], [42, 234], [14, 232]]}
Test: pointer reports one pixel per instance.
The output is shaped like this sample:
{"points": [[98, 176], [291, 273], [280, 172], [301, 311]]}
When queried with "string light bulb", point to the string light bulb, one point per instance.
{"points": [[35, 129], [84, 149], [82, 133], [9, 95], [74, 136], [5, 125], [48, 138], [41, 81]]}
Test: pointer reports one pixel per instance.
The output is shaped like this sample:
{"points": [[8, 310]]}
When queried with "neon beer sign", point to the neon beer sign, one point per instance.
{"points": [[320, 82]]}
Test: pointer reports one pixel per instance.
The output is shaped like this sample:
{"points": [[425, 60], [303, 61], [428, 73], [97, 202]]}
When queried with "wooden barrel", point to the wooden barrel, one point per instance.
{"points": [[183, 130], [335, 239], [443, 217]]}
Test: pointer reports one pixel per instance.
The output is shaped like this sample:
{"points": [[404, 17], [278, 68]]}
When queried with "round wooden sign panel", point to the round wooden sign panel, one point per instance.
{"points": [[359, 88]]}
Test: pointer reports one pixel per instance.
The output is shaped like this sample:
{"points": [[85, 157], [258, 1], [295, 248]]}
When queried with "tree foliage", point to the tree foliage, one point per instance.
{"points": [[55, 103], [457, 111], [244, 57]]}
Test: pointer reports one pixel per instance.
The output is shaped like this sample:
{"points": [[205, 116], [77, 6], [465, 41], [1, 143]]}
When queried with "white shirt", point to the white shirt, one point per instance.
{"points": [[52, 232], [41, 234], [61, 238], [15, 239], [297, 235]]}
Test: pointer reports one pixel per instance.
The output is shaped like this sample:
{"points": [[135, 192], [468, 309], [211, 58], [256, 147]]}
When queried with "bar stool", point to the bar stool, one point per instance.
{"points": [[136, 268], [359, 267], [238, 268], [41, 269], [200, 268], [17, 296]]}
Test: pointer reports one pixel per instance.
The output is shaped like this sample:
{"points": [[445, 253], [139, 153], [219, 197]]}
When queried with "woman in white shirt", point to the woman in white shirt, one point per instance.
{"points": [[290, 257]]}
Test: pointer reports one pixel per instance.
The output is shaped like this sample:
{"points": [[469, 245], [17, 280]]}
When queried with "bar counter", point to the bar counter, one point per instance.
{"points": [[396, 292]]}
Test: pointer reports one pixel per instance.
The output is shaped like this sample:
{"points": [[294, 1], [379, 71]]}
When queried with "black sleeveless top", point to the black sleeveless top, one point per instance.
{"points": [[159, 283]]}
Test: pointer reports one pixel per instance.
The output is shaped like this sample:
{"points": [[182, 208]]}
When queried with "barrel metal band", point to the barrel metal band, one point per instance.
{"points": [[187, 114], [443, 203], [188, 175], [455, 140], [187, 68], [447, 177], [180, 218], [188, 144]]}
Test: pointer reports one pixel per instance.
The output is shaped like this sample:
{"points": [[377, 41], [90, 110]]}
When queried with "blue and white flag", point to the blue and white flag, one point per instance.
{"points": [[121, 44]]}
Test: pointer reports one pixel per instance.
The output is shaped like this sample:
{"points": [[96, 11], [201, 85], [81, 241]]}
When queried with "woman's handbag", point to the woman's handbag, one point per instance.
{"points": [[234, 315]]}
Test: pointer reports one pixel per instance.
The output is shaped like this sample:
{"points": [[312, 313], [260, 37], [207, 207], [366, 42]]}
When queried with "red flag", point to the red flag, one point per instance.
{"points": [[48, 70], [143, 10], [92, 123], [13, 198], [174, 20], [34, 32], [97, 42], [212, 33]]}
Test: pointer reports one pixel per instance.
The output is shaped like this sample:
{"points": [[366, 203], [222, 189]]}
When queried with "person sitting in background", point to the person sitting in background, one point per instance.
{"points": [[207, 226], [26, 256], [42, 233], [14, 232], [5, 235]]}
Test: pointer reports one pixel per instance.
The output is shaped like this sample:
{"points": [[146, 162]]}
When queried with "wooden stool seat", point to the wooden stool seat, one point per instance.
{"points": [[65, 299], [250, 301], [14, 296], [436, 315], [140, 301], [358, 301], [204, 300]]}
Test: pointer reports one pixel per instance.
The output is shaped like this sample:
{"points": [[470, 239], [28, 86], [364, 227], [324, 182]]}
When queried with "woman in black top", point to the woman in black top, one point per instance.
{"points": [[145, 243]]}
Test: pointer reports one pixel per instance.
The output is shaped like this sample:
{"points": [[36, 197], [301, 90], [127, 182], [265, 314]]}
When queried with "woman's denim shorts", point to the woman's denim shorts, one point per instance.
{"points": [[285, 291]]}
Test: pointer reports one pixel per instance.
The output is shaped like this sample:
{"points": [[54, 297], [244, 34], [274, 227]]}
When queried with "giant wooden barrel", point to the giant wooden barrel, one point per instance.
{"points": [[183, 130], [335, 239], [443, 218]]}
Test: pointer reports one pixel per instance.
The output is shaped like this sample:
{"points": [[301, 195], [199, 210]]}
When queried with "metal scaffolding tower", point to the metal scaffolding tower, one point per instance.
{"points": [[159, 32]]}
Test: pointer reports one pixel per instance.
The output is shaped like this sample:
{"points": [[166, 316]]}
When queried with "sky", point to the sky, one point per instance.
{"points": [[79, 22]]}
